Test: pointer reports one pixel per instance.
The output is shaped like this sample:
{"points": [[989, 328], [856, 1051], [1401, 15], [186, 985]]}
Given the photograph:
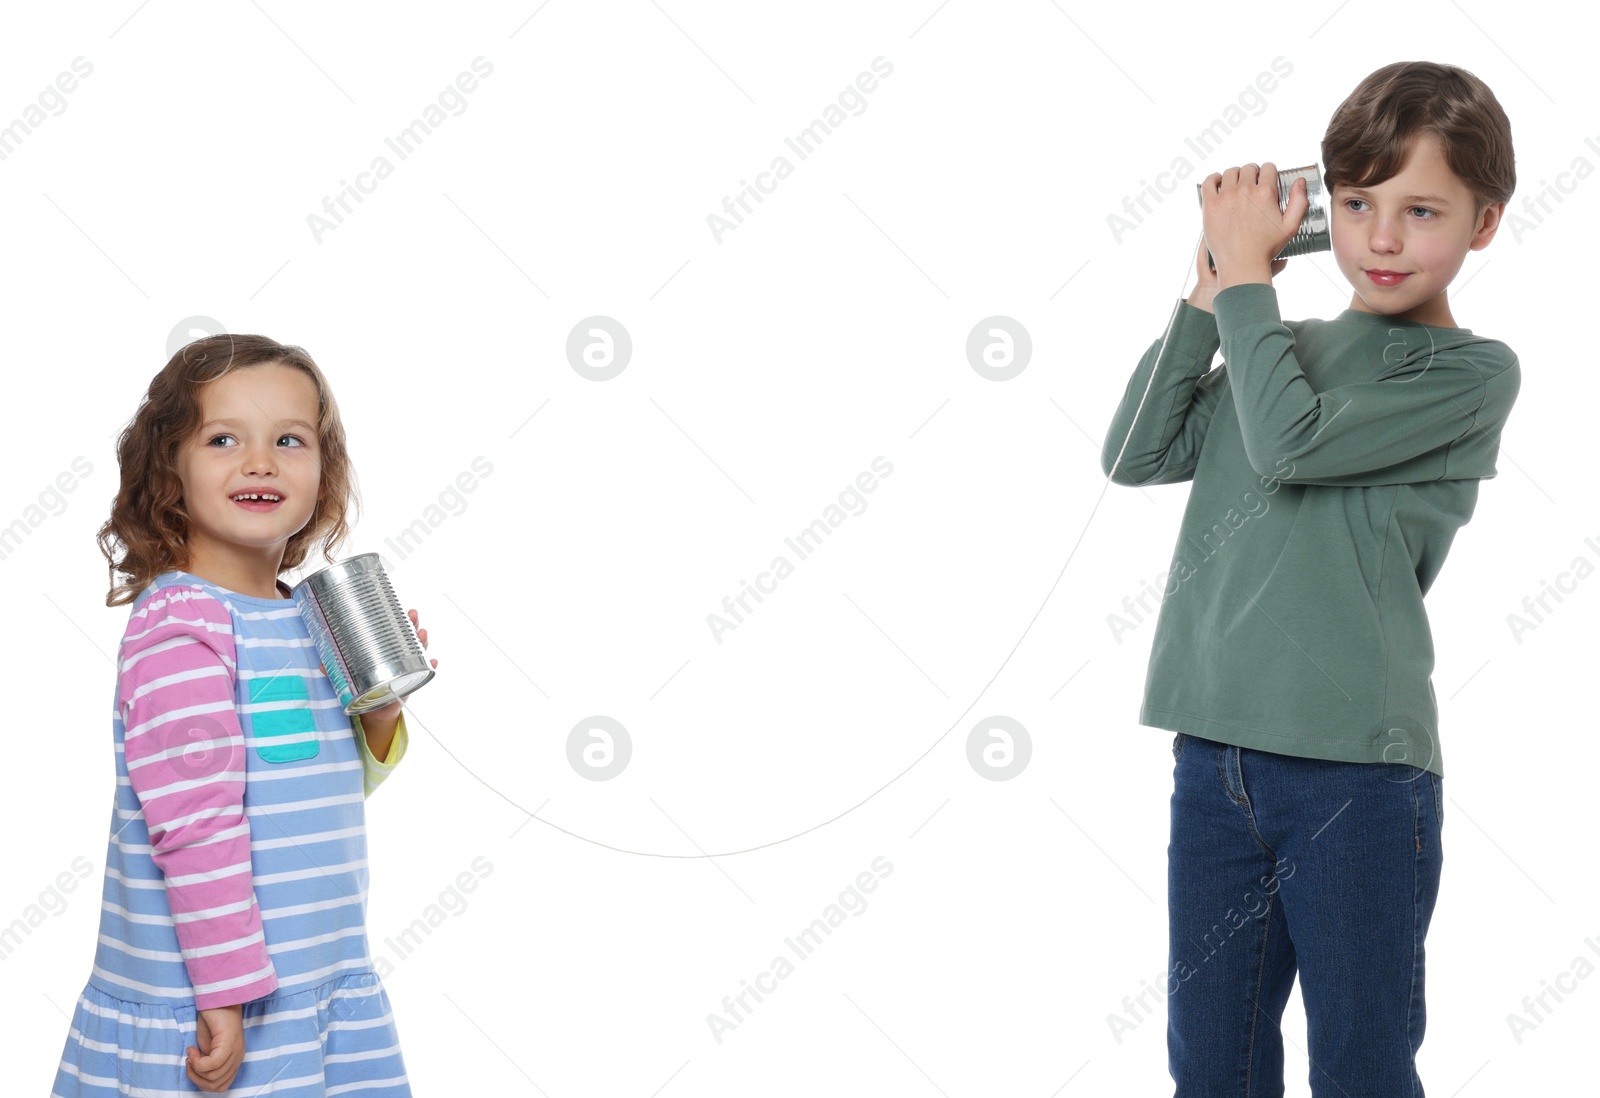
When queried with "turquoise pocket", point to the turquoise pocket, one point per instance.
{"points": [[287, 733]]}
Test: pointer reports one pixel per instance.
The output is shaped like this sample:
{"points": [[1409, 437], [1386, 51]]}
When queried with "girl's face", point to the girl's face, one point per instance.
{"points": [[258, 433]]}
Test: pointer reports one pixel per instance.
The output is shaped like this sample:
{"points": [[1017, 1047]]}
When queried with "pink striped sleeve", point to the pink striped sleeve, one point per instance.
{"points": [[185, 754]]}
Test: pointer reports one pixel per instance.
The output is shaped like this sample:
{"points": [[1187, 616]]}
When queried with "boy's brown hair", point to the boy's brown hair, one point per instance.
{"points": [[148, 517], [1371, 132]]}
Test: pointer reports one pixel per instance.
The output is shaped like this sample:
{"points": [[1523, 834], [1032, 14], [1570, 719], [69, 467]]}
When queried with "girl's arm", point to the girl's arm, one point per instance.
{"points": [[184, 751], [383, 744], [381, 732]]}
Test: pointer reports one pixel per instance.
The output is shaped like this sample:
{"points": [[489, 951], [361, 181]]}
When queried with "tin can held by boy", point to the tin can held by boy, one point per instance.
{"points": [[1312, 235]]}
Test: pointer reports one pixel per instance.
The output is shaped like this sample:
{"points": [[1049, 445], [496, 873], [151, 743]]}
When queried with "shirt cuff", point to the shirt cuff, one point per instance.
{"points": [[1195, 328], [226, 993], [1246, 304], [374, 771]]}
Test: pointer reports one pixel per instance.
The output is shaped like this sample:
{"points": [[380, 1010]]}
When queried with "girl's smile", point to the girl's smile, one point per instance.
{"points": [[264, 501]]}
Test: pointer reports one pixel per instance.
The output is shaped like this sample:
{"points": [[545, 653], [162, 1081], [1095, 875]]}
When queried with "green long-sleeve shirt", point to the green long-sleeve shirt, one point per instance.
{"points": [[1333, 462]]}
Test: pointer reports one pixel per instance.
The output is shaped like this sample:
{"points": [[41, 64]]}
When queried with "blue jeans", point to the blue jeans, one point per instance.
{"points": [[1281, 864]]}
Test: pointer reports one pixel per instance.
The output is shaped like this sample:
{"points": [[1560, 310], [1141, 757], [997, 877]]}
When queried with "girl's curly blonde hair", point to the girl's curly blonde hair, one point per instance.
{"points": [[149, 523]]}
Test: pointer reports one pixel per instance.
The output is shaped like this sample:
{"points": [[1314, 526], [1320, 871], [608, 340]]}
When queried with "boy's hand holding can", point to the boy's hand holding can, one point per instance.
{"points": [[1244, 228]]}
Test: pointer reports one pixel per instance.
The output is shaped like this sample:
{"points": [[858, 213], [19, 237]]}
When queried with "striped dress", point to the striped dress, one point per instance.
{"points": [[236, 870]]}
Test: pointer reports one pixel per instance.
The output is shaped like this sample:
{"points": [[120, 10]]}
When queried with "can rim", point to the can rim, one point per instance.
{"points": [[361, 562]]}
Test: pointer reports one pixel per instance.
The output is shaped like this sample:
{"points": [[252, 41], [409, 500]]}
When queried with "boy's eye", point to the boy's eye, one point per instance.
{"points": [[1424, 209]]}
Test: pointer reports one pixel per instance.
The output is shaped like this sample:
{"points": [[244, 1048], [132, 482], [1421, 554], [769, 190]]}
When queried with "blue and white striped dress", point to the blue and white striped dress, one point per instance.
{"points": [[289, 940]]}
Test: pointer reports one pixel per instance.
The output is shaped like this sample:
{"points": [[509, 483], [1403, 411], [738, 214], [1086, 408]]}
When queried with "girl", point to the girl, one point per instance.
{"points": [[233, 947]]}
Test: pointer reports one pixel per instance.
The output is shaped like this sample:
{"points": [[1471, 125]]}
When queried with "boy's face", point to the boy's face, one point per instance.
{"points": [[1418, 223]]}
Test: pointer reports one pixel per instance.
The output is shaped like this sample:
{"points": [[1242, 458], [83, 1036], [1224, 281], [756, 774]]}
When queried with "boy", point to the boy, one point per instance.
{"points": [[1333, 462]]}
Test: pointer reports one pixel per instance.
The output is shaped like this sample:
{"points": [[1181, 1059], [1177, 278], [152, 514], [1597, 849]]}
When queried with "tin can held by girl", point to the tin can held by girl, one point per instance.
{"points": [[1312, 235], [367, 644]]}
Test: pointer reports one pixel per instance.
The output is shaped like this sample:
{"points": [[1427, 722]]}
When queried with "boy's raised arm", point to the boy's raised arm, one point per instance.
{"points": [[1424, 415], [1164, 444]]}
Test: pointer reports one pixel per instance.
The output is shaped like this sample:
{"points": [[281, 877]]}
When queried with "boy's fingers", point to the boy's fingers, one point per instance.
{"points": [[1298, 193], [1299, 202]]}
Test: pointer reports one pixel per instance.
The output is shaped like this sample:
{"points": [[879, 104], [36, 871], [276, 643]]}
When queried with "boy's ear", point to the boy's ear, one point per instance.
{"points": [[1488, 225]]}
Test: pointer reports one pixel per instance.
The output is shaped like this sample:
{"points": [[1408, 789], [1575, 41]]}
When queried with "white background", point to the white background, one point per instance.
{"points": [[768, 371]]}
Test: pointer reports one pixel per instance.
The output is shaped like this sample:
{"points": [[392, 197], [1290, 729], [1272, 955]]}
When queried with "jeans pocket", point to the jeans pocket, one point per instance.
{"points": [[1438, 798], [1177, 745]]}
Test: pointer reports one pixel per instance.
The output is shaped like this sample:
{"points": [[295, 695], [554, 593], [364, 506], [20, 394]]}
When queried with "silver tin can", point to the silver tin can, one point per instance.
{"points": [[366, 642], [1312, 235]]}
